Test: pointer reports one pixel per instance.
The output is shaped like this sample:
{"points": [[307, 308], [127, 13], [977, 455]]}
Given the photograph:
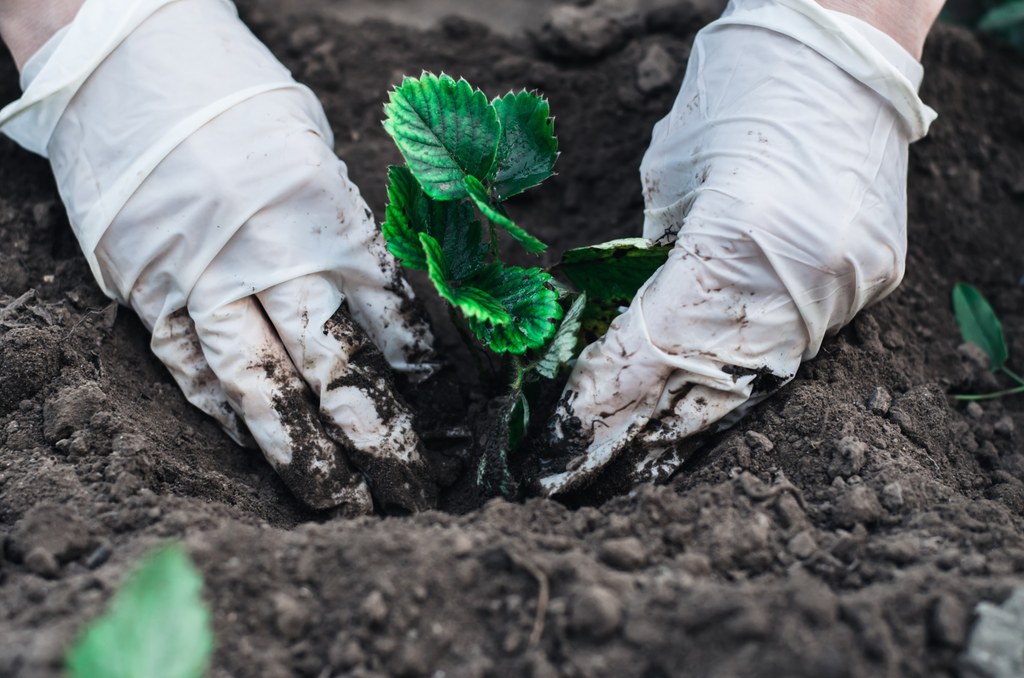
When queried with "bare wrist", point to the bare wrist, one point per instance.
{"points": [[907, 22], [26, 25]]}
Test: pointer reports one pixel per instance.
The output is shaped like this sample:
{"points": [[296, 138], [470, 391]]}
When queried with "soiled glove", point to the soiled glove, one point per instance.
{"points": [[201, 182], [780, 175]]}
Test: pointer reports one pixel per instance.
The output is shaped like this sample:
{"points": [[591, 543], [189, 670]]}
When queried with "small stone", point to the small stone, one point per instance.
{"points": [[947, 623], [290, 616], [802, 545], [695, 564], [589, 32], [859, 505], [974, 564], [975, 411], [892, 496], [758, 442], [879, 401], [345, 653], [656, 71], [848, 457], [596, 613], [70, 410], [375, 608], [128, 444], [1004, 427], [53, 527], [462, 545], [98, 557], [41, 562], [626, 553]]}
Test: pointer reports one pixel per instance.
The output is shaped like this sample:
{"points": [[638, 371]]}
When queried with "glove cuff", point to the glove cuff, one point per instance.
{"points": [[864, 52]]}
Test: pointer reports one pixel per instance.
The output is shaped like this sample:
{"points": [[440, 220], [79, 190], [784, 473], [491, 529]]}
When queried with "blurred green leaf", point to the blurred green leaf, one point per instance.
{"points": [[979, 324], [1003, 17], [157, 625]]}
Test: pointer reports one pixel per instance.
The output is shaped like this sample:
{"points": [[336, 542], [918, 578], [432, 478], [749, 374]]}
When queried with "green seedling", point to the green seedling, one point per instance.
{"points": [[466, 156], [157, 625], [980, 325]]}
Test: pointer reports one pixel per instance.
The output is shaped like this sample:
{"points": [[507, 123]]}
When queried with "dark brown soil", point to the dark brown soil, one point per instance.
{"points": [[847, 528]]}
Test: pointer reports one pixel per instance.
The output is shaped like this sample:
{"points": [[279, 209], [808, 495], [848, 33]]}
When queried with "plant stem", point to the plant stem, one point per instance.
{"points": [[1013, 375], [990, 396]]}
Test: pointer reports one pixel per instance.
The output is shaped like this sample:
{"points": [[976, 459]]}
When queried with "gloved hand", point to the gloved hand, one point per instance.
{"points": [[780, 175], [202, 184]]}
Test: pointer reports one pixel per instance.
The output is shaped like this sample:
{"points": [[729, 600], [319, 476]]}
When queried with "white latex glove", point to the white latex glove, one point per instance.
{"points": [[780, 175], [201, 182]]}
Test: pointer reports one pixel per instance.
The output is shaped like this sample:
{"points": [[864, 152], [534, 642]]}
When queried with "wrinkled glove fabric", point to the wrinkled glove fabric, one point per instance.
{"points": [[201, 182], [780, 175]]}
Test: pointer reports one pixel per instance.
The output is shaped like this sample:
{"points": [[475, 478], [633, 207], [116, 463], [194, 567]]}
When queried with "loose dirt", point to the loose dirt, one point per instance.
{"points": [[847, 528]]}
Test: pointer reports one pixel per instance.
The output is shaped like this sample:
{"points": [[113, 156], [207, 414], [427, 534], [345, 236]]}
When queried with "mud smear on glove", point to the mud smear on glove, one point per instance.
{"points": [[318, 480], [400, 480]]}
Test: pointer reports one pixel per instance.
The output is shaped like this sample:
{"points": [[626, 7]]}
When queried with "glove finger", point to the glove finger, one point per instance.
{"points": [[611, 394], [176, 344], [359, 405], [379, 298], [264, 388]]}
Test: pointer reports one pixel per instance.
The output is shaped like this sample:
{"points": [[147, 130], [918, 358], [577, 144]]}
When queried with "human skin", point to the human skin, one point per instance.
{"points": [[25, 25]]}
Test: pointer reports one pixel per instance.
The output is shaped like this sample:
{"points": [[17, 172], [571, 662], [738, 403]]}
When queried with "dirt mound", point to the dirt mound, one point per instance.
{"points": [[847, 528]]}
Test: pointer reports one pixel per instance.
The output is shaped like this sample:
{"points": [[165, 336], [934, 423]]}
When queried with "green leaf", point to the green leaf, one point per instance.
{"points": [[476, 304], [400, 231], [157, 626], [411, 211], [478, 192], [446, 130], [979, 324], [531, 302], [562, 348], [1004, 17], [528, 148], [614, 271], [519, 422]]}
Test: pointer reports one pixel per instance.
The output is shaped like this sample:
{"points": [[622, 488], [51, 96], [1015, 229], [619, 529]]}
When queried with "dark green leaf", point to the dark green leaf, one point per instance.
{"points": [[562, 348], [478, 192], [157, 626], [527, 296], [528, 148], [403, 237], [446, 131], [519, 422], [979, 324], [476, 304], [1004, 17], [615, 270], [452, 223]]}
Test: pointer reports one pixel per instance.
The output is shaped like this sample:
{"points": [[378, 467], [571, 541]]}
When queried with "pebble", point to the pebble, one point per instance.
{"points": [[1004, 427], [626, 553], [947, 623], [462, 545], [70, 410], [758, 442], [54, 528], [596, 613], [858, 505], [375, 608], [975, 411], [879, 401], [290, 616], [802, 545], [98, 557], [345, 653], [656, 71], [589, 32], [848, 457], [892, 496], [42, 562]]}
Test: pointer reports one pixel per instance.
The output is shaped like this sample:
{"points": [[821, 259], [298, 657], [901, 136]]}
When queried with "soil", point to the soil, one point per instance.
{"points": [[848, 527]]}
